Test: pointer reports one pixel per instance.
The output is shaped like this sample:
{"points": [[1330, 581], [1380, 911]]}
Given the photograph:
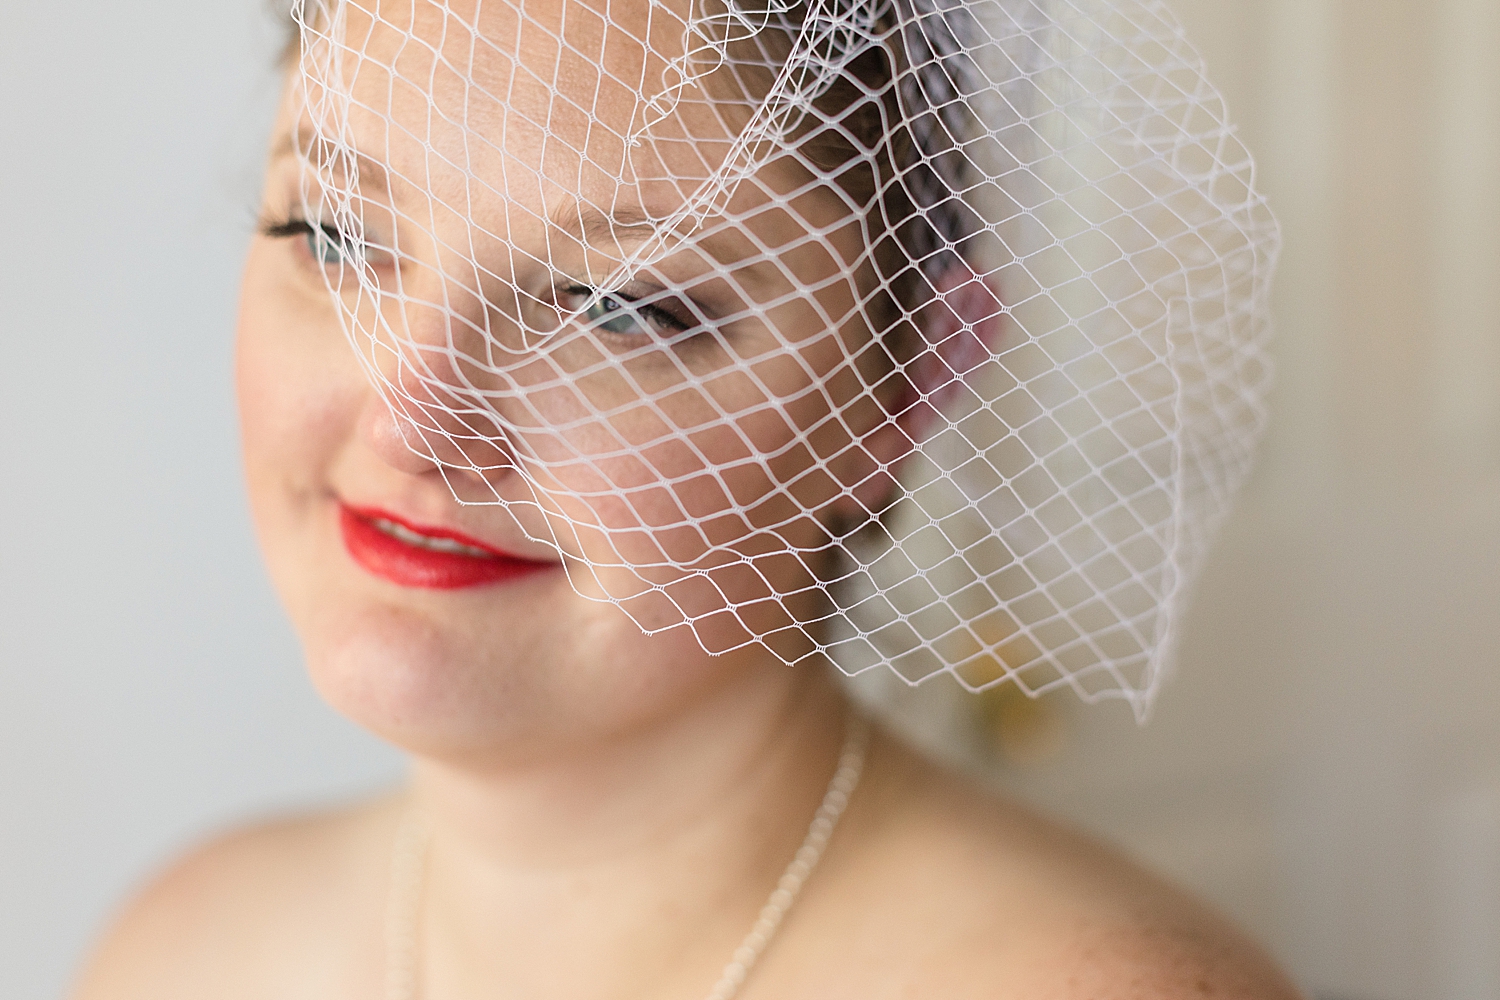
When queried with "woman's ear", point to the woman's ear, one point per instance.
{"points": [[958, 330]]}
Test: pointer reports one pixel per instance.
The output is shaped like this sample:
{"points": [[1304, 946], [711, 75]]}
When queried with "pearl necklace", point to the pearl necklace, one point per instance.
{"points": [[410, 856]]}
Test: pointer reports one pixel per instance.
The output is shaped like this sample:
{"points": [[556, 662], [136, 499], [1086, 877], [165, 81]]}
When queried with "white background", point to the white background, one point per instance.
{"points": [[150, 688], [1326, 767]]}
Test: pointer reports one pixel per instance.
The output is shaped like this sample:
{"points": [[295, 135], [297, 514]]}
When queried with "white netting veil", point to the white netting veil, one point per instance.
{"points": [[919, 333]]}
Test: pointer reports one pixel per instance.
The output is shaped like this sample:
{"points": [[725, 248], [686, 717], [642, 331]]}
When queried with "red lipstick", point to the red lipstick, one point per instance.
{"points": [[411, 555]]}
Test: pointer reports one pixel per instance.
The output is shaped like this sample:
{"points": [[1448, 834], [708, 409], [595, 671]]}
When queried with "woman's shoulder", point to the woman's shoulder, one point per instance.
{"points": [[986, 898], [223, 919]]}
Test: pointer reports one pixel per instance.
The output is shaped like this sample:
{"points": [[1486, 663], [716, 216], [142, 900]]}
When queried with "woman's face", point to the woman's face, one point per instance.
{"points": [[522, 402]]}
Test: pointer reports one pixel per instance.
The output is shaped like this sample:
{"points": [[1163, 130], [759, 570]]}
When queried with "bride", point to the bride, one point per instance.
{"points": [[643, 335]]}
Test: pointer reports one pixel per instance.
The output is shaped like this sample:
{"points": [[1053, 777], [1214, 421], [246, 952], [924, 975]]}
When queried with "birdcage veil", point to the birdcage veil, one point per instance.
{"points": [[925, 335]]}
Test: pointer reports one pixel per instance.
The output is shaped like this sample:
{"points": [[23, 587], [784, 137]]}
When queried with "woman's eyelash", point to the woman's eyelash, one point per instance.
{"points": [[288, 228], [328, 244], [646, 310]]}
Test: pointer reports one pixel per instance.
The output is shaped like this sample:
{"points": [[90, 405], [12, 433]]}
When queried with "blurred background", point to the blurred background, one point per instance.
{"points": [[1325, 767]]}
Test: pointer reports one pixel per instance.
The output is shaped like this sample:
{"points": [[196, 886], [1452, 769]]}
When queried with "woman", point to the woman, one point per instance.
{"points": [[658, 312]]}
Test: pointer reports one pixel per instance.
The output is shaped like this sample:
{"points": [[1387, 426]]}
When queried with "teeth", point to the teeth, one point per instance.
{"points": [[421, 541]]}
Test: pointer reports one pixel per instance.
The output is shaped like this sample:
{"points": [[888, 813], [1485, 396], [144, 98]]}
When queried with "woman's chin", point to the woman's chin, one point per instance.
{"points": [[418, 686], [519, 687]]}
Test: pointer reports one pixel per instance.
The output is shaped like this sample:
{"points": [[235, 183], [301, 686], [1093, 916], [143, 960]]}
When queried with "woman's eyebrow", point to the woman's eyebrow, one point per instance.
{"points": [[306, 143], [629, 225], [626, 224]]}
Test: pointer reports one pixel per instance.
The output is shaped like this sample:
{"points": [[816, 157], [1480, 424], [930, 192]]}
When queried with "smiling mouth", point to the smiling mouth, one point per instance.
{"points": [[426, 558], [431, 542]]}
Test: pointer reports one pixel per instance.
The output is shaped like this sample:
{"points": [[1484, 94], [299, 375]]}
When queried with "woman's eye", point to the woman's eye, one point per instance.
{"points": [[328, 245], [608, 313], [622, 316]]}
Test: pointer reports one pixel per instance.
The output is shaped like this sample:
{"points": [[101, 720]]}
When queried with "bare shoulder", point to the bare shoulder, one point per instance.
{"points": [[991, 900], [216, 921]]}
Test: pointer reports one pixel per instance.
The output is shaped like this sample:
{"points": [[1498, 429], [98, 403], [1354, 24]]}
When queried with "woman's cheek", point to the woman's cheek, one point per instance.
{"points": [[299, 389], [298, 384]]}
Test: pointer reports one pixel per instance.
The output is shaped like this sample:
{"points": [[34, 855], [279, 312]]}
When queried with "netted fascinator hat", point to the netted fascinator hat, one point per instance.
{"points": [[926, 335]]}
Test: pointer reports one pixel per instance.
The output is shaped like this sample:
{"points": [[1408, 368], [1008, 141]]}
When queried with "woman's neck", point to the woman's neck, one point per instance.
{"points": [[646, 854]]}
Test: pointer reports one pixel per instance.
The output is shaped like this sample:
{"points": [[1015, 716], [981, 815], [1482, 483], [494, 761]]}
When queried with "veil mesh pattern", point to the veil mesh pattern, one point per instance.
{"points": [[926, 334]]}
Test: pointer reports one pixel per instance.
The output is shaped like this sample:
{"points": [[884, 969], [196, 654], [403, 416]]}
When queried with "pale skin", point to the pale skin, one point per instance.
{"points": [[608, 810]]}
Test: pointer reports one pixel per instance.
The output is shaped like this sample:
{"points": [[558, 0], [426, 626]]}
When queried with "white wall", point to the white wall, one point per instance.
{"points": [[149, 686], [1327, 765]]}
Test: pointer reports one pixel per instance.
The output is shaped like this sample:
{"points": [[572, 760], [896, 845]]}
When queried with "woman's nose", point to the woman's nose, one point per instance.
{"points": [[395, 439], [425, 415]]}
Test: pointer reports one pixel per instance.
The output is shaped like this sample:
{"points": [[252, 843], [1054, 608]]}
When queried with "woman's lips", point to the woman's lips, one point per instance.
{"points": [[429, 558]]}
